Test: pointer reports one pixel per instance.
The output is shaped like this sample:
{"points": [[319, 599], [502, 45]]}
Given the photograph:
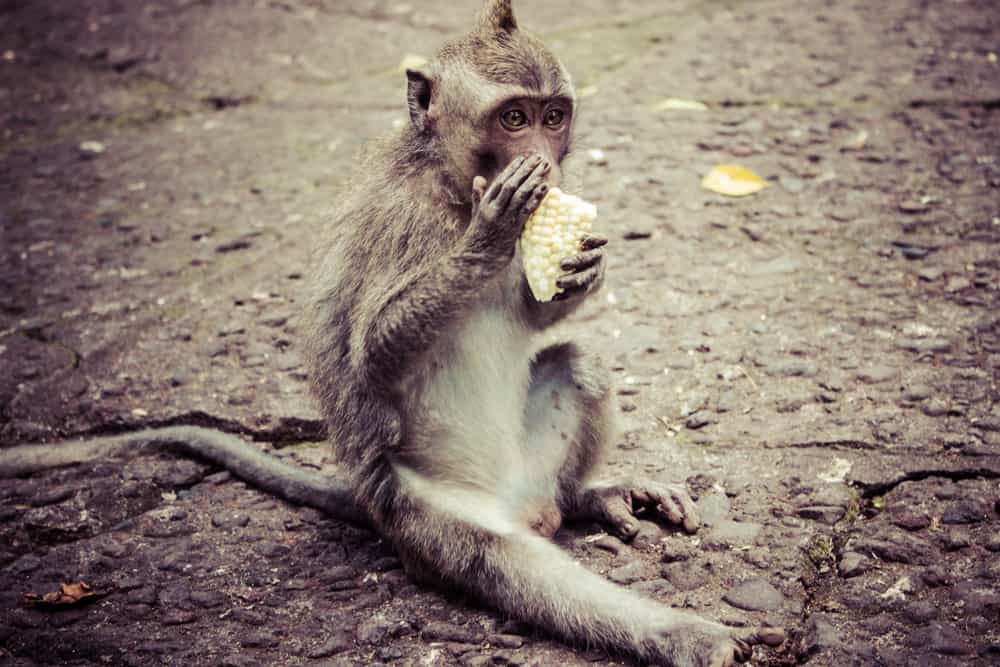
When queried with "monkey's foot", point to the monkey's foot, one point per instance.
{"points": [[617, 505], [739, 648], [705, 644]]}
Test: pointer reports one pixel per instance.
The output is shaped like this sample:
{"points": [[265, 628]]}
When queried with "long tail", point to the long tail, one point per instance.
{"points": [[292, 483]]}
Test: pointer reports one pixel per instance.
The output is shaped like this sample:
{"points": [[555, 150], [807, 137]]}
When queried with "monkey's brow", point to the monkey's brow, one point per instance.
{"points": [[565, 100]]}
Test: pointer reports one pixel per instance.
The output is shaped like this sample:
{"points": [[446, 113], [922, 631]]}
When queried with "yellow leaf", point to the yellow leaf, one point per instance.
{"points": [[674, 104], [733, 180], [586, 91], [66, 595], [411, 61]]}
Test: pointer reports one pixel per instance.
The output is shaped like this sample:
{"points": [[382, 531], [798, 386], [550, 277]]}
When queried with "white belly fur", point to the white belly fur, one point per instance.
{"points": [[474, 395], [466, 405]]}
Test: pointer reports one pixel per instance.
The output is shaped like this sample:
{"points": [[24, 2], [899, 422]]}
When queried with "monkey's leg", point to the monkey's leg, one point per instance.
{"points": [[291, 483], [569, 417], [570, 413], [470, 541], [570, 396]]}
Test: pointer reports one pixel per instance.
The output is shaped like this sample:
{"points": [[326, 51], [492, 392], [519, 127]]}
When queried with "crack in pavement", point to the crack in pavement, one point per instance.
{"points": [[288, 431], [827, 444], [872, 489]]}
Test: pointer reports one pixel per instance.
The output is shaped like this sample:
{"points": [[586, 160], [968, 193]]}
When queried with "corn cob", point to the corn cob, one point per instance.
{"points": [[553, 233]]}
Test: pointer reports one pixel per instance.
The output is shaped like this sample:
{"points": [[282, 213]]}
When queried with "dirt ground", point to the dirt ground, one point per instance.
{"points": [[819, 361]]}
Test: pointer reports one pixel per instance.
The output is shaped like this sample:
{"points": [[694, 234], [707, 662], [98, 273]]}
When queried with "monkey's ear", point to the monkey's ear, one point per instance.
{"points": [[498, 16], [418, 97]]}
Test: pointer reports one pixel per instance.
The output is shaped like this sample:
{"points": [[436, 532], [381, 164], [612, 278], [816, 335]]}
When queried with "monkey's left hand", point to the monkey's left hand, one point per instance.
{"points": [[586, 269]]}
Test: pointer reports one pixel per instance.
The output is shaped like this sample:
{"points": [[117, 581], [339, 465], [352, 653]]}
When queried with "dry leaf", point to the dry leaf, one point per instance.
{"points": [[733, 180], [66, 595], [411, 61], [675, 104], [93, 147], [857, 142]]}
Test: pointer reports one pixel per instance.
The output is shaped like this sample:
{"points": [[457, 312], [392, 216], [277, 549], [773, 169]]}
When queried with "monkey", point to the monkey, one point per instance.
{"points": [[466, 440]]}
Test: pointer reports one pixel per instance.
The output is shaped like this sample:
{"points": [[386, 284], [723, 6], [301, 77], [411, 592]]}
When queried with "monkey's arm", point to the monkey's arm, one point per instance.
{"points": [[585, 276], [294, 484], [417, 312], [425, 305]]}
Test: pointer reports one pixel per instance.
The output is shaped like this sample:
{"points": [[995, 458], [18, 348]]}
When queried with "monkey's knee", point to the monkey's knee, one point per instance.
{"points": [[569, 366], [570, 415]]}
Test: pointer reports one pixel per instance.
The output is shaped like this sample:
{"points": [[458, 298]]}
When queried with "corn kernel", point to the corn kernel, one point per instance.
{"points": [[553, 233]]}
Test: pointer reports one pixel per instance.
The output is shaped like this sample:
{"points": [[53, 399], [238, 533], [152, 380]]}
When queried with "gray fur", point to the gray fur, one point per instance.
{"points": [[463, 438]]}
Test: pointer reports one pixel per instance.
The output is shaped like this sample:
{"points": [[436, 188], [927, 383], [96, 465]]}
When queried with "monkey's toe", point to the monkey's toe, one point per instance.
{"points": [[738, 648], [724, 656], [617, 514]]}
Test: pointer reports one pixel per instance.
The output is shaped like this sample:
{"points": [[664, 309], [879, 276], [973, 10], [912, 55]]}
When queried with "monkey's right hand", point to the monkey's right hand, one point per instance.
{"points": [[500, 212]]}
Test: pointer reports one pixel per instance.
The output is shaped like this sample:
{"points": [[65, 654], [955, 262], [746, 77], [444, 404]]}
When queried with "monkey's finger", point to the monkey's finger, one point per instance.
{"points": [[591, 241], [745, 641], [766, 634], [516, 165], [478, 191], [535, 201], [581, 260], [526, 193], [479, 186], [672, 502], [498, 182], [579, 280], [510, 186], [661, 501], [691, 520], [617, 513]]}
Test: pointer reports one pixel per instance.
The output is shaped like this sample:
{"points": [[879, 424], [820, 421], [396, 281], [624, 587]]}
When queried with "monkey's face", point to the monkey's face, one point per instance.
{"points": [[524, 125], [490, 97]]}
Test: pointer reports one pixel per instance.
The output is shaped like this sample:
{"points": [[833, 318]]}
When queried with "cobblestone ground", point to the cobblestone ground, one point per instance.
{"points": [[819, 361]]}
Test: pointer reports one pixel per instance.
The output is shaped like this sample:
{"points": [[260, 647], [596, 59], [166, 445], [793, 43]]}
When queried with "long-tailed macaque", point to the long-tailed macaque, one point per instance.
{"points": [[465, 441]]}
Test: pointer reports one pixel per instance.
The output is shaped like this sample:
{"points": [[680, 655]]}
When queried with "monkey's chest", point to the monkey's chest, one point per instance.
{"points": [[478, 378], [466, 405]]}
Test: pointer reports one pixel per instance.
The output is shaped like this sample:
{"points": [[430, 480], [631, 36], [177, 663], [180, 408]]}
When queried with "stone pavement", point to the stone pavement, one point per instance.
{"points": [[818, 362]]}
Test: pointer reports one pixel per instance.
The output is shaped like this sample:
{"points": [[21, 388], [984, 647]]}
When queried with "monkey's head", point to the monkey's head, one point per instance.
{"points": [[489, 97]]}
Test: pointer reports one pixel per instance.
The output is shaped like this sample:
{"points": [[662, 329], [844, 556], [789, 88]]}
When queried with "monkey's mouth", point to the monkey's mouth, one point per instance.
{"points": [[487, 165]]}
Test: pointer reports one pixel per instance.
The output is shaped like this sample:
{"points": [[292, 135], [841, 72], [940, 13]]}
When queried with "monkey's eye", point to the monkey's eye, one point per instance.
{"points": [[514, 119], [554, 117]]}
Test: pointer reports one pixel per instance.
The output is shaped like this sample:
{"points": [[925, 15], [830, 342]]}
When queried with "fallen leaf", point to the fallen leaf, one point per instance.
{"points": [[597, 157], [675, 104], [733, 180], [587, 91], [857, 142], [92, 147], [411, 61], [66, 595]]}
